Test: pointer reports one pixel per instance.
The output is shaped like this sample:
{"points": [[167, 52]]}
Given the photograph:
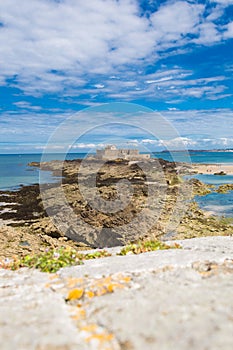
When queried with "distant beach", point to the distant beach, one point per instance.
{"points": [[213, 168]]}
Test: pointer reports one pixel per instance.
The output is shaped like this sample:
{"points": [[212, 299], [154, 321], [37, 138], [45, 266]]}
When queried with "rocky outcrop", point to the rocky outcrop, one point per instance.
{"points": [[225, 188], [158, 204], [23, 240], [199, 188]]}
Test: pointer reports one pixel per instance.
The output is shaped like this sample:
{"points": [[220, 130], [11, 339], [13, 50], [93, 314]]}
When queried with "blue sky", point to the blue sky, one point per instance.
{"points": [[61, 56]]}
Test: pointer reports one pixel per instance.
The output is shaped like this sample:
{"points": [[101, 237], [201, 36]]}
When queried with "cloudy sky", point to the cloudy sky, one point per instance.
{"points": [[58, 57]]}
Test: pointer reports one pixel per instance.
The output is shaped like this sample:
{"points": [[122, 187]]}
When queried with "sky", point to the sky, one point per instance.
{"points": [[59, 57]]}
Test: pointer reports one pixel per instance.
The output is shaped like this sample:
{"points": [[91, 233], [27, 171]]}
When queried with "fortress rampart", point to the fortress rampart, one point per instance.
{"points": [[112, 152]]}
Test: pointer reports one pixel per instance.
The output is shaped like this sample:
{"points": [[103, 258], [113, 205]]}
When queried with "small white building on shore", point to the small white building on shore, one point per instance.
{"points": [[112, 152]]}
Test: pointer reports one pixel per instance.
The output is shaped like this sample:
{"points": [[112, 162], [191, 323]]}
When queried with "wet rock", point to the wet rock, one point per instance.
{"points": [[225, 188]]}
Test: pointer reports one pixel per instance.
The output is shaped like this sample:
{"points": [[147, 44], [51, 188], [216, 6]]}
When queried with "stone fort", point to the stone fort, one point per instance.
{"points": [[112, 152]]}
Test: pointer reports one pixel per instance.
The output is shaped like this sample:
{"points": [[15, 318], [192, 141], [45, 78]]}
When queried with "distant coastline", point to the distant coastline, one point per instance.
{"points": [[198, 150]]}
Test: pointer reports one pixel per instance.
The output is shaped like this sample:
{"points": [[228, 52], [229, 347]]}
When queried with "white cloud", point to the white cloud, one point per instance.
{"points": [[229, 31], [28, 125], [168, 84], [178, 143], [208, 34], [26, 105], [150, 142], [195, 129], [211, 124], [181, 143], [84, 145], [174, 20], [50, 47], [99, 86], [73, 37]]}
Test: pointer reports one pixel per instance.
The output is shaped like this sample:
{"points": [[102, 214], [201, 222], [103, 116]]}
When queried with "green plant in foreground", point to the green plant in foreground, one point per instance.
{"points": [[49, 261], [54, 259], [146, 246], [94, 255]]}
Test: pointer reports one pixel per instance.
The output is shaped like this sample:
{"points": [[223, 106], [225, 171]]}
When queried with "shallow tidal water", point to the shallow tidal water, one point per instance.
{"points": [[220, 204]]}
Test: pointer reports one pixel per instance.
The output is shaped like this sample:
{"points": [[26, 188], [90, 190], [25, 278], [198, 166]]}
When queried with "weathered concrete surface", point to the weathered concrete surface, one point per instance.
{"points": [[173, 299], [32, 316], [206, 248]]}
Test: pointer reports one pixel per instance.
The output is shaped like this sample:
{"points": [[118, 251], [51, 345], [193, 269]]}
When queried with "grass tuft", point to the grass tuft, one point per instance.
{"points": [[49, 261], [146, 246], [54, 259]]}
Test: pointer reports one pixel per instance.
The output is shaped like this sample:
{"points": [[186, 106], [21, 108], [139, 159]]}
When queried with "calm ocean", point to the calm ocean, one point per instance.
{"points": [[14, 171]]}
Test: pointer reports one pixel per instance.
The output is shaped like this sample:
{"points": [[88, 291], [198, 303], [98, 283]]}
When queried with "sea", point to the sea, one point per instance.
{"points": [[15, 172]]}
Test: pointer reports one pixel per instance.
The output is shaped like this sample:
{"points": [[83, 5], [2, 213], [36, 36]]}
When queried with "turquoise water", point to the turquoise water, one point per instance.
{"points": [[213, 179], [14, 172], [198, 157], [14, 169], [218, 203]]}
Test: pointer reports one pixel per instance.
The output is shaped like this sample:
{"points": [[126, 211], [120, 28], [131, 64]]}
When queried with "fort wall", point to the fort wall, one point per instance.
{"points": [[111, 152]]}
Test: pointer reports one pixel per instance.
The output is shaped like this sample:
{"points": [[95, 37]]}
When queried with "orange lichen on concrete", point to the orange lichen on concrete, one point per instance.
{"points": [[101, 337], [75, 294], [126, 279], [81, 295], [90, 294], [86, 288], [89, 328]]}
